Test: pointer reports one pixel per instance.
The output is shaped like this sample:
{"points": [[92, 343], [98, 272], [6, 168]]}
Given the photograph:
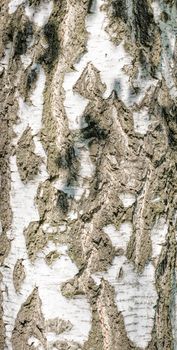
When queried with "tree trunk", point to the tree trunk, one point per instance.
{"points": [[88, 158]]}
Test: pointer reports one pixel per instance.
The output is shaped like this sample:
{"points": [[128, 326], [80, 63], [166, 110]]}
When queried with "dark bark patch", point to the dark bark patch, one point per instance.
{"points": [[143, 22], [34, 2], [32, 76], [172, 140], [117, 86], [170, 116], [51, 53], [62, 201], [90, 4], [93, 130], [21, 39], [162, 267], [68, 160], [120, 9]]}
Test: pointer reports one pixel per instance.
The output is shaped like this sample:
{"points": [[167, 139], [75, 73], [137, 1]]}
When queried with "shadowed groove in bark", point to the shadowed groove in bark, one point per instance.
{"points": [[143, 19], [120, 9], [21, 38], [52, 51]]}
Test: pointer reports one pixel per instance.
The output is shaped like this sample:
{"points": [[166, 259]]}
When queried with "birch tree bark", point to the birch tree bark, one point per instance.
{"points": [[88, 159]]}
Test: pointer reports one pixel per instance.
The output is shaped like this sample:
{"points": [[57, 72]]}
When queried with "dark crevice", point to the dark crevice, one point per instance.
{"points": [[90, 4], [68, 160], [21, 39], [119, 9], [144, 21], [62, 201], [93, 130], [51, 36], [32, 76]]}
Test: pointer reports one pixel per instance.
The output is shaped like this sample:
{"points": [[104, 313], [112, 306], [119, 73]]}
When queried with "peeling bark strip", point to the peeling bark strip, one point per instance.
{"points": [[88, 154]]}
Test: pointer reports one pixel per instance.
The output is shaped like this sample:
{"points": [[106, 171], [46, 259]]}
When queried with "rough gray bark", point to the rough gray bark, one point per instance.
{"points": [[88, 141]]}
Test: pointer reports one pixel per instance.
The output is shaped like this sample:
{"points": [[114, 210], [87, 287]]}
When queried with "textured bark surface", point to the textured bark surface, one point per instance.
{"points": [[88, 160]]}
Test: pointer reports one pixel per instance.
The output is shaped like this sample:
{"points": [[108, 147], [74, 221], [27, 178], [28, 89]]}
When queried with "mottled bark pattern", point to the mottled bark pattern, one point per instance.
{"points": [[88, 166]]}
